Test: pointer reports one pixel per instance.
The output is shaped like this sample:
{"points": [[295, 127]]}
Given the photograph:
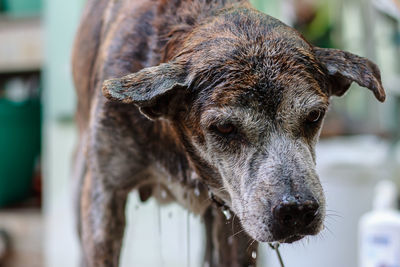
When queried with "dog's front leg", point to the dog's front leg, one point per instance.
{"points": [[227, 244], [102, 222]]}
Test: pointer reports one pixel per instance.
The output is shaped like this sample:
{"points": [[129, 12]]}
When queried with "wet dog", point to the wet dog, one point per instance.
{"points": [[213, 103]]}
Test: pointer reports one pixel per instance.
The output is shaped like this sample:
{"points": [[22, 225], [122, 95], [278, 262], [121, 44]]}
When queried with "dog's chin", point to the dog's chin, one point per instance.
{"points": [[288, 240], [298, 236], [270, 237], [266, 234], [291, 239]]}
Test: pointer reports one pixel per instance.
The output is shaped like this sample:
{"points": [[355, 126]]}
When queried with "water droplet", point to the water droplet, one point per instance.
{"points": [[227, 214], [214, 212], [230, 240], [163, 194], [197, 191], [254, 255]]}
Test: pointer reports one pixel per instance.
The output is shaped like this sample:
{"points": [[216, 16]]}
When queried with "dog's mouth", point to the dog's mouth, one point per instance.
{"points": [[291, 239], [293, 234], [283, 234]]}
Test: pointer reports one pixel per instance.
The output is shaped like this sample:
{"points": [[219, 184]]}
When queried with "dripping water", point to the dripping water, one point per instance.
{"points": [[163, 194], [159, 226], [227, 213], [254, 254], [197, 191], [187, 239]]}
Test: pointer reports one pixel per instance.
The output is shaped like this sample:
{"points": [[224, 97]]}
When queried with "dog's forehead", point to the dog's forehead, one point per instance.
{"points": [[246, 58], [244, 25], [265, 79], [266, 86]]}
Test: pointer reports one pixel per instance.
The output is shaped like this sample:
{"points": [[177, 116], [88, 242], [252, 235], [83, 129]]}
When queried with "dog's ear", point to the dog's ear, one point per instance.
{"points": [[152, 89], [344, 68]]}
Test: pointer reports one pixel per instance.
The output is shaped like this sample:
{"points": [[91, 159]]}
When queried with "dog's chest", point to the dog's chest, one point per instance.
{"points": [[185, 189]]}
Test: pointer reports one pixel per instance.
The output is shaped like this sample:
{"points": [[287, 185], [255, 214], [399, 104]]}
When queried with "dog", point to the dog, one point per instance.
{"points": [[209, 103]]}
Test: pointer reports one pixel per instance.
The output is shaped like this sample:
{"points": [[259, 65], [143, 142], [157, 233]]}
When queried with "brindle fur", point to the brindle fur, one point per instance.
{"points": [[187, 66]]}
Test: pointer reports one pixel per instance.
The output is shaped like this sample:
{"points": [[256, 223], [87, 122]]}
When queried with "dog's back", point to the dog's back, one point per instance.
{"points": [[112, 40]]}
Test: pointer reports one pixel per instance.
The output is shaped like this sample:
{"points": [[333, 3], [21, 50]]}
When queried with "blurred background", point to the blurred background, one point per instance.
{"points": [[359, 143]]}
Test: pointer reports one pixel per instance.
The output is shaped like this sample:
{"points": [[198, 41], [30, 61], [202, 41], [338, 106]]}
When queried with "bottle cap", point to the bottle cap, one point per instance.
{"points": [[385, 195]]}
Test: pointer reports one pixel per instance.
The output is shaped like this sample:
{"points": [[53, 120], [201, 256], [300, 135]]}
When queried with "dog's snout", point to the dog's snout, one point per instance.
{"points": [[295, 215]]}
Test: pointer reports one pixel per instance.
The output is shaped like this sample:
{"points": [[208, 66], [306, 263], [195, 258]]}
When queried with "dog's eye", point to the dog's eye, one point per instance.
{"points": [[225, 129], [314, 116]]}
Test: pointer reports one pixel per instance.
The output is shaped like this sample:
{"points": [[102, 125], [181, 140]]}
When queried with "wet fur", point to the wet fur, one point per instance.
{"points": [[187, 66]]}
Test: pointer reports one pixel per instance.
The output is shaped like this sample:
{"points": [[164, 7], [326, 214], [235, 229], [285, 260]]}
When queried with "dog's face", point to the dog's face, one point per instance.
{"points": [[264, 155], [247, 96]]}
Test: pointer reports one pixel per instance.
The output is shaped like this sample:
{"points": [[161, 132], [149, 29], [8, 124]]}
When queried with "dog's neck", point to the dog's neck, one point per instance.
{"points": [[174, 21]]}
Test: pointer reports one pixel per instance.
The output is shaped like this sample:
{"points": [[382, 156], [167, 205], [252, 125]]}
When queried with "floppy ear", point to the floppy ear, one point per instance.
{"points": [[345, 68], [152, 89]]}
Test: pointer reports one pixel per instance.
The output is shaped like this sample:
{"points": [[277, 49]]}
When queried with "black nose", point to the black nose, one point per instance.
{"points": [[295, 214]]}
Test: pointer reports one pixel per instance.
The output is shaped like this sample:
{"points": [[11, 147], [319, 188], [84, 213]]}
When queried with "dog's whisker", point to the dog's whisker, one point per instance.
{"points": [[337, 213], [252, 242], [237, 233], [329, 230], [329, 217], [334, 215]]}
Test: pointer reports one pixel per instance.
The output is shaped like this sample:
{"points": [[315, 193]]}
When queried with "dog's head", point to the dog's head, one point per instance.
{"points": [[247, 96]]}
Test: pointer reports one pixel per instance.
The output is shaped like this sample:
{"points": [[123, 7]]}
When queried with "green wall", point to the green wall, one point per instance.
{"points": [[61, 19], [270, 7]]}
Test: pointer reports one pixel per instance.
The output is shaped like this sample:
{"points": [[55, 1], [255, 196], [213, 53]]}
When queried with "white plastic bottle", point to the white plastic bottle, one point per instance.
{"points": [[379, 230]]}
